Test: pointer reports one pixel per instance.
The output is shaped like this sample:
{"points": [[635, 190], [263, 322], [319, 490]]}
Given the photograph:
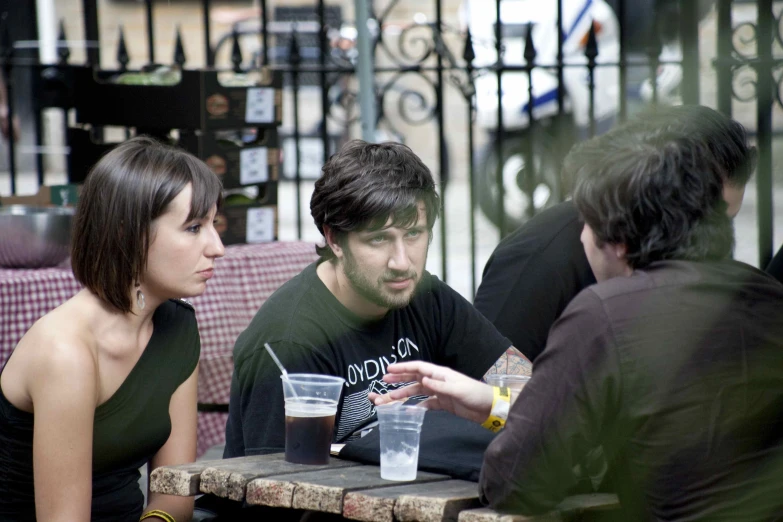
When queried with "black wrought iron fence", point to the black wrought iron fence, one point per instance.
{"points": [[532, 78]]}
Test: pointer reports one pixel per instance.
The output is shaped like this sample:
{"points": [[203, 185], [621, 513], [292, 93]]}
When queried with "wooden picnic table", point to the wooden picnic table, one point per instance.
{"points": [[354, 490]]}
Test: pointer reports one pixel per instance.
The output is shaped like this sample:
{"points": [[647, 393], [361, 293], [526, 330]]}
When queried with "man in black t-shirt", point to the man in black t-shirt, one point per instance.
{"points": [[367, 303], [537, 270]]}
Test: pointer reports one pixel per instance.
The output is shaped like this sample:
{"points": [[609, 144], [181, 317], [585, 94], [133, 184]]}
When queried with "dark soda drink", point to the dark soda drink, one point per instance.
{"points": [[308, 432]]}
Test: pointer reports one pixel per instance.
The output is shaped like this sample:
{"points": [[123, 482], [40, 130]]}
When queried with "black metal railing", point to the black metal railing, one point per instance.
{"points": [[421, 63]]}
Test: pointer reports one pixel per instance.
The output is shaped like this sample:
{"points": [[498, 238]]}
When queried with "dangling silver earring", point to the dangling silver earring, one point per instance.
{"points": [[140, 302]]}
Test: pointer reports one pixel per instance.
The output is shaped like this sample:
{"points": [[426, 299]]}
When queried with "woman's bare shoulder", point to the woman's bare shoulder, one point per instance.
{"points": [[56, 350], [61, 337]]}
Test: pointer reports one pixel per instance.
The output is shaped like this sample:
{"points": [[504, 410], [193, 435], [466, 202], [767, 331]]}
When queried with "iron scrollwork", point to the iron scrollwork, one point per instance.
{"points": [[744, 84], [411, 51], [747, 67], [739, 34], [413, 107], [342, 101]]}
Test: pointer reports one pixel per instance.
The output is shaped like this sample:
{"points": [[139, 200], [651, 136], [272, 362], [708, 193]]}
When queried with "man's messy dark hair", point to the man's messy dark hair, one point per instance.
{"points": [[365, 184], [726, 139], [658, 193]]}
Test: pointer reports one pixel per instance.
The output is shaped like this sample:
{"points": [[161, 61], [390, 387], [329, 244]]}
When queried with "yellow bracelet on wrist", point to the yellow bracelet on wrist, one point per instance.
{"points": [[157, 513], [501, 403]]}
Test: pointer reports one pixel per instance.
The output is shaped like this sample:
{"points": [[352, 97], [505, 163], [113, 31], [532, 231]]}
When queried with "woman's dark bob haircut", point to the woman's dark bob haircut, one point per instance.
{"points": [[123, 194], [365, 184]]}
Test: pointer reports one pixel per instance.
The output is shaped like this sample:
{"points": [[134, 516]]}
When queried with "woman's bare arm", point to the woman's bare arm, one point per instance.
{"points": [[180, 448], [62, 384]]}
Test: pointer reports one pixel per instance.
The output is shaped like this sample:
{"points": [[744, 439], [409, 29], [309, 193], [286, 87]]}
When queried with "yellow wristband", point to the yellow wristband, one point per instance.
{"points": [[501, 403], [157, 513]]}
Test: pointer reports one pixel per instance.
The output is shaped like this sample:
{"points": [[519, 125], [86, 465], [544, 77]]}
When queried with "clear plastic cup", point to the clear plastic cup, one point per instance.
{"points": [[310, 406], [400, 427], [514, 382]]}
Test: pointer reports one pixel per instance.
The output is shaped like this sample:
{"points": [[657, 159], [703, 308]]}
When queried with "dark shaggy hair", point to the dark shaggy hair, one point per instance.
{"points": [[365, 184], [123, 194], [726, 139], [657, 193]]}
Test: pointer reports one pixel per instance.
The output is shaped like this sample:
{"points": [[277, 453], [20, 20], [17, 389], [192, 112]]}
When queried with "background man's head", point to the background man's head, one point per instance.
{"points": [[648, 196], [375, 205], [726, 139]]}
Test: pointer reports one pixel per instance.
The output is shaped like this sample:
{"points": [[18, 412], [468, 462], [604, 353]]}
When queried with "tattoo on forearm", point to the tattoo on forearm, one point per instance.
{"points": [[512, 362], [518, 364]]}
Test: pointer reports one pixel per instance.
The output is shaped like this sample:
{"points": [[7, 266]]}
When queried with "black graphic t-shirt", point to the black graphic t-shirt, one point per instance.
{"points": [[311, 332]]}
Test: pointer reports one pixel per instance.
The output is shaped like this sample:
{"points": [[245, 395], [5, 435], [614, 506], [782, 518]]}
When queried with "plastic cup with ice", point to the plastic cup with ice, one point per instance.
{"points": [[400, 427]]}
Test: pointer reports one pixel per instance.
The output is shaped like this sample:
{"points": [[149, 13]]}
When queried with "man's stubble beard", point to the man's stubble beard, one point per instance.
{"points": [[375, 292]]}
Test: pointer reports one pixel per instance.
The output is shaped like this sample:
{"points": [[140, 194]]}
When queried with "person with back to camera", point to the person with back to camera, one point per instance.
{"points": [[673, 362], [535, 272], [106, 382]]}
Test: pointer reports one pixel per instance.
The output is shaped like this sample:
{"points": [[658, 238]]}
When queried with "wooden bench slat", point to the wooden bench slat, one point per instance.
{"points": [[368, 507], [181, 480], [321, 490], [354, 490], [184, 479], [570, 509], [480, 515], [378, 504], [440, 503], [231, 482]]}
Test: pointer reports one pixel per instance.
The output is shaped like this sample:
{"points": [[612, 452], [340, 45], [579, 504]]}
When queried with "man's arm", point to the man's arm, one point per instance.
{"points": [[561, 415]]}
